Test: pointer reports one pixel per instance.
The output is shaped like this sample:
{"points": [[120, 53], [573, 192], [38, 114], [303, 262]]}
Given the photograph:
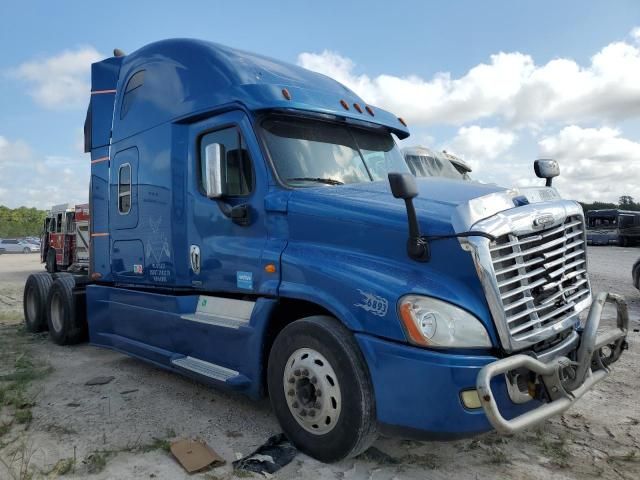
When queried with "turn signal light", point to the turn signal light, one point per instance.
{"points": [[369, 110], [344, 104], [401, 120], [357, 107], [270, 268], [286, 94]]}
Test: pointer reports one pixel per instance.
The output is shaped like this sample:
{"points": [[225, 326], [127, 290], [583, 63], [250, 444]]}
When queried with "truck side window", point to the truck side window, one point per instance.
{"points": [[124, 188], [237, 167], [131, 91]]}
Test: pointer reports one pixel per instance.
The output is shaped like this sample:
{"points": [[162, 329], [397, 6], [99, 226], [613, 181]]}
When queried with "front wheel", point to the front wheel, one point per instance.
{"points": [[320, 389]]}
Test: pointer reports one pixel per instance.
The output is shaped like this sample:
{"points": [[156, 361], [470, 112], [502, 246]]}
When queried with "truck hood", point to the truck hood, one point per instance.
{"points": [[443, 205]]}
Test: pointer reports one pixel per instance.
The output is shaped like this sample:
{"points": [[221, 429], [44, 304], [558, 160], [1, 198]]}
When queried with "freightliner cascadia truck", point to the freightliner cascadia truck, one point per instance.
{"points": [[254, 226]]}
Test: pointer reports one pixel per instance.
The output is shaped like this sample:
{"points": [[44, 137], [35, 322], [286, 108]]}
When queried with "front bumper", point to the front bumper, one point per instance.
{"points": [[564, 380]]}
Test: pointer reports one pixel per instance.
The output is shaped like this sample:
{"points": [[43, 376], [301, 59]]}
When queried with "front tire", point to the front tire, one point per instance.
{"points": [[320, 389], [34, 301], [67, 325]]}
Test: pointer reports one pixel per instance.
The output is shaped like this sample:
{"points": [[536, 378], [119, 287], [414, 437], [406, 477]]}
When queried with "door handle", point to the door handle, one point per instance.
{"points": [[194, 255]]}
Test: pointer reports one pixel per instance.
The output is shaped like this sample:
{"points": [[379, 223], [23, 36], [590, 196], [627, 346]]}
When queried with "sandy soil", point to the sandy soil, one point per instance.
{"points": [[121, 429]]}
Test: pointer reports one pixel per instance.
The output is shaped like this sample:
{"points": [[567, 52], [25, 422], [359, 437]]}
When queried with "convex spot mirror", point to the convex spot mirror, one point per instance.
{"points": [[212, 166], [546, 168]]}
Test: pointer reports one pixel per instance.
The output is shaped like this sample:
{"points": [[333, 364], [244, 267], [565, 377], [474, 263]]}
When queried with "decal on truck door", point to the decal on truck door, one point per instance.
{"points": [[244, 280]]}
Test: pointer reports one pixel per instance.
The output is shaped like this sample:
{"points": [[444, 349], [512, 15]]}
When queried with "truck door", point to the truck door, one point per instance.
{"points": [[227, 249]]}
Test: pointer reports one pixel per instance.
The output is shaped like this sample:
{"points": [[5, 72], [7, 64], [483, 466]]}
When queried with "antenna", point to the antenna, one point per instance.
{"points": [[118, 53]]}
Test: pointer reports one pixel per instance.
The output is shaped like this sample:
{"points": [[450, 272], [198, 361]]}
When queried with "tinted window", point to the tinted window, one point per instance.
{"points": [[131, 92], [309, 151], [237, 171], [124, 188]]}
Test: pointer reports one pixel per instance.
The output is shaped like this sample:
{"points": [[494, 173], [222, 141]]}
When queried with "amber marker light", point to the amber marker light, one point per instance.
{"points": [[415, 336], [369, 110], [270, 268], [286, 94], [344, 104], [357, 107], [401, 120]]}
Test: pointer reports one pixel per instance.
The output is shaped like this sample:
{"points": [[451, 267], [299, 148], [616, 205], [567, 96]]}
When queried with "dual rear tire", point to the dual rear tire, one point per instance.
{"points": [[54, 305]]}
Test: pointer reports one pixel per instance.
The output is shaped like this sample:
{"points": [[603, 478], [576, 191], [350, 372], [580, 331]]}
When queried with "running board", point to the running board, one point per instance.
{"points": [[211, 370], [221, 312]]}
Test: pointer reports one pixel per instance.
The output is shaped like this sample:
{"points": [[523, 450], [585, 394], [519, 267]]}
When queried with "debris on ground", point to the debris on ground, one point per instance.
{"points": [[99, 380], [195, 455], [268, 458]]}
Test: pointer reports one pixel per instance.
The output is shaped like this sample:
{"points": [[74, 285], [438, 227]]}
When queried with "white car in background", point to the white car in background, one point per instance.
{"points": [[13, 245]]}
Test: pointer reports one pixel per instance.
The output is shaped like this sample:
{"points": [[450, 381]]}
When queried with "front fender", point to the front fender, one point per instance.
{"points": [[363, 290]]}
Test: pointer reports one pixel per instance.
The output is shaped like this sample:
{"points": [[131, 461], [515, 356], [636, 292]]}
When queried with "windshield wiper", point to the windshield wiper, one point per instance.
{"points": [[328, 181]]}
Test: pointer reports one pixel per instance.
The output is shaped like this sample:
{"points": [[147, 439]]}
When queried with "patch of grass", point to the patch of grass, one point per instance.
{"points": [[556, 450], [62, 467], [242, 474], [17, 465], [630, 456], [96, 461], [23, 415], [428, 460], [5, 428], [497, 457], [163, 444]]}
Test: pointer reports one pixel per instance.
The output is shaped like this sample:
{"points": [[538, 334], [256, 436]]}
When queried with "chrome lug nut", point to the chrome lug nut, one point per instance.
{"points": [[291, 393], [303, 413], [296, 373], [305, 372], [292, 380], [295, 404], [312, 413]]}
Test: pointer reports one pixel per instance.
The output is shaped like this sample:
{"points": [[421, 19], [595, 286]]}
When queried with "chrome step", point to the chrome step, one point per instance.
{"points": [[217, 320], [206, 369]]}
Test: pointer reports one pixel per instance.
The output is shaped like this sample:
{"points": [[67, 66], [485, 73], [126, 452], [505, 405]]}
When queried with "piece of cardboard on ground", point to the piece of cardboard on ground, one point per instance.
{"points": [[195, 455]]}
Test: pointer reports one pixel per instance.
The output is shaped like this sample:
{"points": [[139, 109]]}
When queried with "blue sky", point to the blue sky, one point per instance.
{"points": [[368, 45]]}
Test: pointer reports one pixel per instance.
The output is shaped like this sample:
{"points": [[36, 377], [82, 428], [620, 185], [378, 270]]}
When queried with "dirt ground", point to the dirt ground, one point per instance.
{"points": [[53, 424]]}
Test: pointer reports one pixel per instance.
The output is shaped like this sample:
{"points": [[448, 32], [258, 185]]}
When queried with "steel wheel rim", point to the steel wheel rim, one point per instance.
{"points": [[312, 391], [56, 312], [31, 305]]}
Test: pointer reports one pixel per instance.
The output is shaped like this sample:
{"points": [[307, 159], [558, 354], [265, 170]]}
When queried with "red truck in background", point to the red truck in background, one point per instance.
{"points": [[65, 238]]}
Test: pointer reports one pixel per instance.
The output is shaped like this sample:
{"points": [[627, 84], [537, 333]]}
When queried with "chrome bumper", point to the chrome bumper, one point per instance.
{"points": [[565, 380]]}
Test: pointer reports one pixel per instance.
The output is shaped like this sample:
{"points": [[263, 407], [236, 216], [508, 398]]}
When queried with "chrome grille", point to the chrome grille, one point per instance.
{"points": [[540, 278]]}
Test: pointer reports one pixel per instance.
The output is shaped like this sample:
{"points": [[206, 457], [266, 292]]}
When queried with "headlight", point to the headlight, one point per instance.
{"points": [[433, 323]]}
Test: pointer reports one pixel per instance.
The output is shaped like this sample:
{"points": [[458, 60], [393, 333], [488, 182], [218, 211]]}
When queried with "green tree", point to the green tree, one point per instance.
{"points": [[21, 222]]}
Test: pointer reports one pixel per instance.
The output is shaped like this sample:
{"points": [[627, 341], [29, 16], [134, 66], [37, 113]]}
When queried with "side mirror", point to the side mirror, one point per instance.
{"points": [[546, 168], [212, 170], [403, 185]]}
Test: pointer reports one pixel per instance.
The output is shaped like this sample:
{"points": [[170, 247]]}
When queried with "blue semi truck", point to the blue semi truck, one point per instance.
{"points": [[255, 227]]}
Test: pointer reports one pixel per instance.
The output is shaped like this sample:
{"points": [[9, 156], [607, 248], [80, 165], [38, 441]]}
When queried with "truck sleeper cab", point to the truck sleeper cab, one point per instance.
{"points": [[244, 233]]}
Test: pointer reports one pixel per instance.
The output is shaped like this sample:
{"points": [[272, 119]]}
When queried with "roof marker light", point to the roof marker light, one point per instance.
{"points": [[286, 94], [357, 107], [344, 104], [369, 110], [401, 120]]}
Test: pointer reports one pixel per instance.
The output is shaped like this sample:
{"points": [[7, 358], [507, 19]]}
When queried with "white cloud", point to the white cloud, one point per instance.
{"points": [[28, 179], [595, 163], [476, 144], [510, 86], [60, 81]]}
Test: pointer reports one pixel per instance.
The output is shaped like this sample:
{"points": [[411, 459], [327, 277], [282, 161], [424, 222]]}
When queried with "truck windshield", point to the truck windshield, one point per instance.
{"points": [[308, 152]]}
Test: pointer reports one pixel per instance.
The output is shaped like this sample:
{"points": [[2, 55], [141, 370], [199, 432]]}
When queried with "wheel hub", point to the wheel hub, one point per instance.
{"points": [[312, 391]]}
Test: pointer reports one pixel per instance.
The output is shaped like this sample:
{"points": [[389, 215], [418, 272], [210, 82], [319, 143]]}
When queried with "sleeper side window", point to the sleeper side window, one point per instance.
{"points": [[124, 188], [237, 170], [131, 92]]}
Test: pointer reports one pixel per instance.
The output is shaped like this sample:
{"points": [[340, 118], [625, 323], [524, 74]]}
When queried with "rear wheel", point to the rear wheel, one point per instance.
{"points": [[50, 264], [34, 301], [67, 324], [320, 389]]}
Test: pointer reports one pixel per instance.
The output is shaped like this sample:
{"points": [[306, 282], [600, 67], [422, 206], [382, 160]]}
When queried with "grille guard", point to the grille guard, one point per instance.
{"points": [[591, 366]]}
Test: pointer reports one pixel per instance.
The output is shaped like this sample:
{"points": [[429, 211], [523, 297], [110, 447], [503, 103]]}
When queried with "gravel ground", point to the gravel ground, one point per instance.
{"points": [[120, 430]]}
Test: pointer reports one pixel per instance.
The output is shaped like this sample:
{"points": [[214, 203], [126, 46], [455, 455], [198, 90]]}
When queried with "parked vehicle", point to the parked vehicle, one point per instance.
{"points": [[65, 239], [424, 162], [635, 273], [617, 227], [14, 245], [255, 226]]}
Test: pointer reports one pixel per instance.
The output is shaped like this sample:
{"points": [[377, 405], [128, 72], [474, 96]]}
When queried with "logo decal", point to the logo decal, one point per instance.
{"points": [[244, 280], [137, 269], [373, 304], [543, 220]]}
